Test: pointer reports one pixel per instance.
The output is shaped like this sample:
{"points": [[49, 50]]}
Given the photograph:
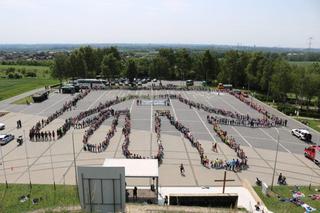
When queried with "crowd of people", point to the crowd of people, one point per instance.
{"points": [[234, 117], [276, 120]]}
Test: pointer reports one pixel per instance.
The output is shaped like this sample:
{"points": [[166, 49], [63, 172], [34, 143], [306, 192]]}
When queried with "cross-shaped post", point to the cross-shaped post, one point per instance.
{"points": [[224, 181]]}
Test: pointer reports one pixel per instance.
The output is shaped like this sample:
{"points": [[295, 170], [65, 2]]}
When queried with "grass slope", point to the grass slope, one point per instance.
{"points": [[274, 205], [63, 196], [13, 87]]}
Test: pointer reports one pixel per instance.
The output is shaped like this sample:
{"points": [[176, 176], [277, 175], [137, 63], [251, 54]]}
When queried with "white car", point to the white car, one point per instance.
{"points": [[302, 134], [4, 139], [2, 126]]}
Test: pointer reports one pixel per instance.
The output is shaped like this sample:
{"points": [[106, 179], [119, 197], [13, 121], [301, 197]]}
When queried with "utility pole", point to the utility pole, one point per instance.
{"points": [[310, 42]]}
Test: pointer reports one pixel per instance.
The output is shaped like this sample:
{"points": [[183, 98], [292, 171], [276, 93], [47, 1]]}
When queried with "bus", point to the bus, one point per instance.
{"points": [[92, 83]]}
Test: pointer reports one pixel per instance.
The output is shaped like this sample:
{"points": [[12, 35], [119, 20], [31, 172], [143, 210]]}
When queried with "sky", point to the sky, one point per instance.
{"points": [[271, 23]]}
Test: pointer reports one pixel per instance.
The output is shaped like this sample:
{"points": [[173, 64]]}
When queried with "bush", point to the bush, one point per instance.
{"points": [[14, 75], [31, 74], [287, 109], [10, 70]]}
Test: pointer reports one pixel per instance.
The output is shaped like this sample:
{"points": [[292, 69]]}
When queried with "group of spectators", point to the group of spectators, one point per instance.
{"points": [[103, 115], [235, 118], [276, 120], [35, 133]]}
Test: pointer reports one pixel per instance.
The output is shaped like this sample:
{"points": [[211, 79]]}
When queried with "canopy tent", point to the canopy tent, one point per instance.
{"points": [[136, 168]]}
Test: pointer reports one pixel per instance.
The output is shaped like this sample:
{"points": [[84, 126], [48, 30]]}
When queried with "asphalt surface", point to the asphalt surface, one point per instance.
{"points": [[259, 143]]}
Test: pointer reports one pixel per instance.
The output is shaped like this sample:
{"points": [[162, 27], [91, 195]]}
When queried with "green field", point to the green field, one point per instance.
{"points": [[313, 123], [303, 63], [275, 205], [42, 71], [63, 196], [13, 87]]}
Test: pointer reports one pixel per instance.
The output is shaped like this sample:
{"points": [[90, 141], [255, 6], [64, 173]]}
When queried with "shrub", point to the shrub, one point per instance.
{"points": [[14, 75], [31, 74]]}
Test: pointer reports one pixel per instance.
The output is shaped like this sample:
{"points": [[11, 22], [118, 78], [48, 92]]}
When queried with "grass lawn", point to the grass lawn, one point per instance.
{"points": [[273, 203], [313, 123], [42, 71], [303, 63], [23, 100], [63, 196], [13, 87]]}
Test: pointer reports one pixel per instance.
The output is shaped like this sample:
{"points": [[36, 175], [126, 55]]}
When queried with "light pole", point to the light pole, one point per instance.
{"points": [[27, 158], [4, 169], [275, 160]]}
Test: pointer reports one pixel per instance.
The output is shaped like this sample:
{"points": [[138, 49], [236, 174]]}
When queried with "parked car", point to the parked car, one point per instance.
{"points": [[2, 126], [154, 80], [302, 134], [6, 138]]}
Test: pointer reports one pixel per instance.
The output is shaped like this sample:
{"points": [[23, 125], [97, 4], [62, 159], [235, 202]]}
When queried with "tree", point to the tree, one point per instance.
{"points": [[184, 63], [160, 68], [60, 67], [89, 56], [109, 66], [131, 70], [281, 81], [210, 66], [78, 66]]}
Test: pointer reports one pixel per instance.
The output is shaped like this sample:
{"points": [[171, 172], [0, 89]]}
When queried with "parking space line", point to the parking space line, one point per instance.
{"points": [[52, 105], [184, 144], [103, 94]]}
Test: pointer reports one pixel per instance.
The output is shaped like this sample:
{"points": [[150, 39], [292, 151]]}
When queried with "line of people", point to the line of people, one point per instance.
{"points": [[253, 122], [102, 146], [103, 115], [230, 141], [35, 133], [276, 120], [237, 118], [188, 135], [126, 130], [157, 129]]}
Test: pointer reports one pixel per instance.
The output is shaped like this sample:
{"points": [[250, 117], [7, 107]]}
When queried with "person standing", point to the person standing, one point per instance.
{"points": [[182, 170], [135, 193]]}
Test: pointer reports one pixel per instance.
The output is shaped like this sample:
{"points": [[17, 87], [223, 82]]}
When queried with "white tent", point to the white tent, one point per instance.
{"points": [[139, 168]]}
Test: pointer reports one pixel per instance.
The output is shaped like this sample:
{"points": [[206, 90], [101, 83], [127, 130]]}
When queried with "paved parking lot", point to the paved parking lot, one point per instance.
{"points": [[259, 143]]}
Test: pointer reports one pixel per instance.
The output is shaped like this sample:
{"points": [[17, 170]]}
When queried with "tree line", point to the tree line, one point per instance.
{"points": [[268, 73]]}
